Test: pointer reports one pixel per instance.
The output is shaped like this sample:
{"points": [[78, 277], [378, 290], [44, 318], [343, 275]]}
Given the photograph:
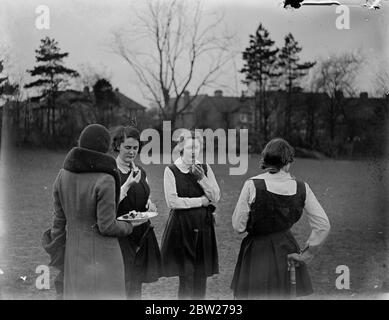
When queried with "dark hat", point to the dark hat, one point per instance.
{"points": [[95, 137]]}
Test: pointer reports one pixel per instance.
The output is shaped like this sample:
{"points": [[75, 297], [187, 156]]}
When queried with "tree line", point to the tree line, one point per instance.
{"points": [[328, 127], [46, 116], [178, 40]]}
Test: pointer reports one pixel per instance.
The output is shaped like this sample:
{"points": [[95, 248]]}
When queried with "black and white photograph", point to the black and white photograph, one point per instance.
{"points": [[219, 150]]}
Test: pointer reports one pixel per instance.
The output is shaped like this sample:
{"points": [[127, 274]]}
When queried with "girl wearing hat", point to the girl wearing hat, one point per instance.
{"points": [[189, 248], [142, 259], [86, 194], [268, 206]]}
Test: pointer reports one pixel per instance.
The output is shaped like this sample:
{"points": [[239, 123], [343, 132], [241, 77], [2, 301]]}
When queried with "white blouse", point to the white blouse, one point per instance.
{"points": [[208, 183], [282, 183]]}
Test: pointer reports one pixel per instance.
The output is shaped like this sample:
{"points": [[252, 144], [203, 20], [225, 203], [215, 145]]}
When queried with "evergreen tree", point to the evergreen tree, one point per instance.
{"points": [[260, 68], [6, 88], [2, 79], [52, 76], [105, 99], [292, 71]]}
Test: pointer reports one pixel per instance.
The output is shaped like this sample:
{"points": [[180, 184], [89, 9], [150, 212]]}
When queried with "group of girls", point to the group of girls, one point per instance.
{"points": [[268, 206]]}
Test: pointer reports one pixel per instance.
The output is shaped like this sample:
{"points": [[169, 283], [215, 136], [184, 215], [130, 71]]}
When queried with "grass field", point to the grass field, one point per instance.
{"points": [[352, 194]]}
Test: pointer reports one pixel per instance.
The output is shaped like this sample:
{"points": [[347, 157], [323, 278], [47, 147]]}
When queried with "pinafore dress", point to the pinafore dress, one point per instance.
{"points": [[189, 240], [262, 269], [141, 254]]}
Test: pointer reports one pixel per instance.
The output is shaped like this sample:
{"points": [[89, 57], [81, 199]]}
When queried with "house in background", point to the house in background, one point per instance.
{"points": [[215, 112], [357, 120], [73, 111]]}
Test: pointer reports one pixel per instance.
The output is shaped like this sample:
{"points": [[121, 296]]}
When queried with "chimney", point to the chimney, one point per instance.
{"points": [[86, 90], [363, 95], [218, 93], [186, 97], [242, 96], [339, 94]]}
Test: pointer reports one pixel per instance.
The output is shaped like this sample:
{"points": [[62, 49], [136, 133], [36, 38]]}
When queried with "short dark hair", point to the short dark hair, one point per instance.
{"points": [[124, 132], [276, 154]]}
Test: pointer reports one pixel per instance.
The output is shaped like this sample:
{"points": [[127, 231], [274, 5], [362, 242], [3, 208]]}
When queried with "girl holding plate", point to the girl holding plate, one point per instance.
{"points": [[189, 248], [142, 259]]}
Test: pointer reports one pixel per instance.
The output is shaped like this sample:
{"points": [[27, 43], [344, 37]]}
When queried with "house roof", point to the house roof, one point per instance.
{"points": [[79, 96], [126, 102], [226, 104], [193, 105], [222, 103]]}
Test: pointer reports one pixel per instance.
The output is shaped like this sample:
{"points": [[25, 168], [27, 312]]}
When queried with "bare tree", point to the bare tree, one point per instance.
{"points": [[10, 97], [89, 75], [382, 82], [181, 49], [336, 77]]}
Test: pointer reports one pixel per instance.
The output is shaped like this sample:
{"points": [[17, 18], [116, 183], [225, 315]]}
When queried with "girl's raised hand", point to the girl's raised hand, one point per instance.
{"points": [[133, 179], [198, 171]]}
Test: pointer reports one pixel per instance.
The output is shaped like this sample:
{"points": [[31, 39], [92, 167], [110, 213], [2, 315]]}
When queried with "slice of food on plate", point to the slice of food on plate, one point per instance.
{"points": [[136, 215]]}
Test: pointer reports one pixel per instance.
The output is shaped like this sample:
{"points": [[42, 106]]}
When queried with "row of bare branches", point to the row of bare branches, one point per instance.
{"points": [[184, 50]]}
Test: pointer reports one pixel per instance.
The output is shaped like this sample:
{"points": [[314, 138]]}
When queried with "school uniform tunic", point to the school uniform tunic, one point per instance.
{"points": [[267, 208], [141, 254], [189, 241]]}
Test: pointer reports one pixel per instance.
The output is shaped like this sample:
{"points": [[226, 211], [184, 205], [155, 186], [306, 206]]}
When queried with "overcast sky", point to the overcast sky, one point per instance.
{"points": [[84, 29]]}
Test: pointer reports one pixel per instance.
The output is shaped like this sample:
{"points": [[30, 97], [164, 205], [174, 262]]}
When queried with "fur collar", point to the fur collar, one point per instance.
{"points": [[81, 160]]}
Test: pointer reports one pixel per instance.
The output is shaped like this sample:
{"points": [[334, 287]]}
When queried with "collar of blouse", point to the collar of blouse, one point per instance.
{"points": [[182, 166], [280, 176], [123, 166]]}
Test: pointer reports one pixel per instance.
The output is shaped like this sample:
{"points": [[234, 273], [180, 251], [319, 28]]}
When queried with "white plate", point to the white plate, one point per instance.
{"points": [[145, 216]]}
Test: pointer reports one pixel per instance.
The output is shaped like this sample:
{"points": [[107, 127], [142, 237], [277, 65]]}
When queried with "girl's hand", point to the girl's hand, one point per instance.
{"points": [[204, 201], [215, 218], [305, 257], [133, 179], [138, 223], [198, 171], [151, 206]]}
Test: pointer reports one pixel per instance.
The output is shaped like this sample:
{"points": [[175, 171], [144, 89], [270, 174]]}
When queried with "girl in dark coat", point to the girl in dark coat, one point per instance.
{"points": [[142, 259], [189, 248], [86, 193], [268, 206]]}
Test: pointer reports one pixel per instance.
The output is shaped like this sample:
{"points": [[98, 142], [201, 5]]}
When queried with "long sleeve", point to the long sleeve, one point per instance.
{"points": [[210, 186], [173, 201], [123, 192], [242, 209], [317, 219], [59, 219], [106, 210]]}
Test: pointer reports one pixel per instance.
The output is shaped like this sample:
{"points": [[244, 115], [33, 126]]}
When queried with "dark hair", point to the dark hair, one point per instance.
{"points": [[124, 132], [276, 154]]}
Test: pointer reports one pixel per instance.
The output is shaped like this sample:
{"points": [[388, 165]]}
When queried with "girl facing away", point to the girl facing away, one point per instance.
{"points": [[268, 206]]}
